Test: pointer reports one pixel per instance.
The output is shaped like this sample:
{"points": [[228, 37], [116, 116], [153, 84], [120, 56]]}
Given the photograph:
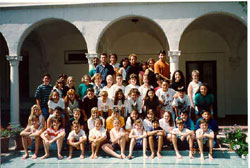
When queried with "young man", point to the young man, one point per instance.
{"points": [[161, 67], [182, 135], [134, 67], [92, 72], [204, 135], [156, 138], [104, 68], [42, 95]]}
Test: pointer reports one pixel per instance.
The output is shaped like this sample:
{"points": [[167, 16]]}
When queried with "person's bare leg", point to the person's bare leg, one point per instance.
{"points": [[82, 150], [131, 147], [190, 142], [109, 149], [160, 143], [174, 141], [37, 145], [98, 144], [200, 144], [70, 151], [151, 146], [59, 143], [211, 144], [144, 142], [46, 150], [123, 146], [25, 146], [92, 150]]}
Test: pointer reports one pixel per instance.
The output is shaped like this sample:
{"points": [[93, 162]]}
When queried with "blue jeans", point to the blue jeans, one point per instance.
{"points": [[45, 112]]}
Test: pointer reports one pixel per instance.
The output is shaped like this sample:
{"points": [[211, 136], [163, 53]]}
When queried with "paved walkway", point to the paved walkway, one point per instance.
{"points": [[222, 159]]}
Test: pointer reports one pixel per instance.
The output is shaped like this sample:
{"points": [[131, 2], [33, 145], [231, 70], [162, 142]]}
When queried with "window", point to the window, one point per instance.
{"points": [[75, 57]]}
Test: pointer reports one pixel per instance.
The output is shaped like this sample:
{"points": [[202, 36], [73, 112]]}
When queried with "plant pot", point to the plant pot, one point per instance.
{"points": [[18, 143], [4, 144]]}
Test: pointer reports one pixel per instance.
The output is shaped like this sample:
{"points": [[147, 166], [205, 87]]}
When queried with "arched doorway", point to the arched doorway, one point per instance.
{"points": [[54, 46], [133, 34], [4, 76], [216, 45]]}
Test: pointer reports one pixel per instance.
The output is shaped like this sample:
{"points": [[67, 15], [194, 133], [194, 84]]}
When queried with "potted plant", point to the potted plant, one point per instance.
{"points": [[236, 138], [4, 137], [15, 134]]}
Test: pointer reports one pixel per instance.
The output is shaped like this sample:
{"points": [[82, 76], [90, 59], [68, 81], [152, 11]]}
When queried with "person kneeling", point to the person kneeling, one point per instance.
{"points": [[182, 135], [53, 138], [76, 139], [156, 138], [204, 135]]}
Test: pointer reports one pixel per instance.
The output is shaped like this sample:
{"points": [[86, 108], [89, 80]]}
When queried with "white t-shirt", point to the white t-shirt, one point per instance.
{"points": [[129, 87], [167, 98], [97, 133], [143, 91], [147, 125], [134, 104], [179, 133], [200, 132], [109, 90], [73, 134], [115, 87], [53, 105], [195, 88], [91, 122], [165, 126], [129, 124], [104, 106], [182, 103]]}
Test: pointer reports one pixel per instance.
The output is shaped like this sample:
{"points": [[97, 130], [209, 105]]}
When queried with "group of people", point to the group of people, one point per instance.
{"points": [[118, 104]]}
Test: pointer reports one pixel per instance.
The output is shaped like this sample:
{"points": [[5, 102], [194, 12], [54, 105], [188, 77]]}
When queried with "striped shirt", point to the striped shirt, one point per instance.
{"points": [[42, 93], [53, 133]]}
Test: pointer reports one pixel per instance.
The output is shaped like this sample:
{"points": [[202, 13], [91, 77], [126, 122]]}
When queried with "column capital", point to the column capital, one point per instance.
{"points": [[14, 58], [91, 55], [174, 53]]}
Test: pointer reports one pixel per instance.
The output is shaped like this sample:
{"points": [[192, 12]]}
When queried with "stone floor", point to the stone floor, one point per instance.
{"points": [[222, 159]]}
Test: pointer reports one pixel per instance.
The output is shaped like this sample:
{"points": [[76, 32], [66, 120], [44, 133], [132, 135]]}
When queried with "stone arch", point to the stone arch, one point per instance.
{"points": [[149, 35], [219, 37], [46, 46]]}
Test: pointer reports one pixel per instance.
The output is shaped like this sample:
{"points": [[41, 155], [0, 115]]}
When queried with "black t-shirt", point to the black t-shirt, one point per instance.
{"points": [[87, 104]]}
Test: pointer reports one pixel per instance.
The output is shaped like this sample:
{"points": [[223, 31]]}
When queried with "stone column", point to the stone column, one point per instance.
{"points": [[174, 61], [14, 89], [90, 57]]}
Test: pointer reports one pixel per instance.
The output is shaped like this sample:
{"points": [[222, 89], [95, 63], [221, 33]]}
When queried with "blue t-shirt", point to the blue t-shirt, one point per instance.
{"points": [[203, 102], [92, 72], [211, 124], [189, 124], [82, 89], [105, 71]]}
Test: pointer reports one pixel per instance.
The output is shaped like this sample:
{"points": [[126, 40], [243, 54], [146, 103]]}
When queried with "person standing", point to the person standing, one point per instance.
{"points": [[161, 67], [104, 68], [134, 67], [42, 95]]}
